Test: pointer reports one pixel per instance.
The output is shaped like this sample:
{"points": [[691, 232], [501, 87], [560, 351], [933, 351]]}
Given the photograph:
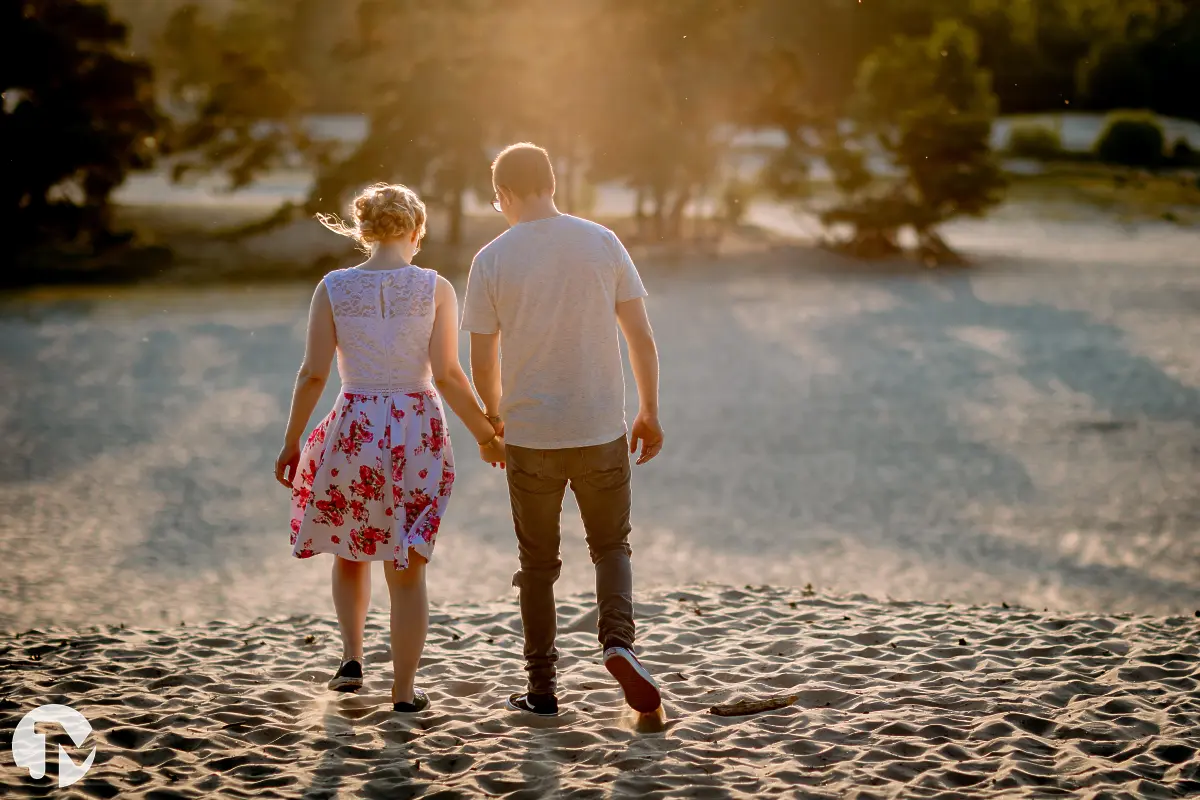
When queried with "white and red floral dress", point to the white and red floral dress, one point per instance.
{"points": [[375, 476]]}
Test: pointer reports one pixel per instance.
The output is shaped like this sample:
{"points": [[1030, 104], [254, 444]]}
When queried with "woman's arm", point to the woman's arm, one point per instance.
{"points": [[448, 372], [310, 382]]}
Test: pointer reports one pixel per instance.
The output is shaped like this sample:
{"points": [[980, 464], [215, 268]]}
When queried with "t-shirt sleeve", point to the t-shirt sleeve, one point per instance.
{"points": [[629, 283], [479, 306]]}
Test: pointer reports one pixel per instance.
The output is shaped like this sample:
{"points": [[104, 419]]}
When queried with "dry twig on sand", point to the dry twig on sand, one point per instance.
{"points": [[746, 707]]}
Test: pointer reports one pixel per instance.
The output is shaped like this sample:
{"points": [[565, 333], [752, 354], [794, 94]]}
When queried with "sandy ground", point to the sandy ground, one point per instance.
{"points": [[897, 700], [1026, 431]]}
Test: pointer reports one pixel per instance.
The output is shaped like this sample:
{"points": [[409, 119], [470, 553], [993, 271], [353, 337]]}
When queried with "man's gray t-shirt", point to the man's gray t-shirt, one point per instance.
{"points": [[550, 288]]}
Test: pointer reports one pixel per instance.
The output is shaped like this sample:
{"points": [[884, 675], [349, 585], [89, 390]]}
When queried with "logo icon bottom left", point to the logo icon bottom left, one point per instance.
{"points": [[29, 746]]}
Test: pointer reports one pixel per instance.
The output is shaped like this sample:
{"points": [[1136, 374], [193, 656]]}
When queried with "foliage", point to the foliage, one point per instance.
{"points": [[1183, 154], [1131, 139], [77, 115], [927, 105], [656, 128], [1034, 141], [235, 88], [432, 112], [735, 201], [651, 95], [1155, 64]]}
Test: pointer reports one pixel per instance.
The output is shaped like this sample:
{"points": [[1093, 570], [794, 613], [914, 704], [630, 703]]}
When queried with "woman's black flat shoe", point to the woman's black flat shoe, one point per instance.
{"points": [[420, 703], [349, 677]]}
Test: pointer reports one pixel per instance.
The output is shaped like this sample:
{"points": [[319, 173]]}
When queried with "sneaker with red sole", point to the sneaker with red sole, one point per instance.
{"points": [[641, 692]]}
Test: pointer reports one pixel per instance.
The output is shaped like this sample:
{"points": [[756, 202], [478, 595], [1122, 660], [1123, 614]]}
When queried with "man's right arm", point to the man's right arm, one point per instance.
{"points": [[485, 370], [643, 357], [482, 322]]}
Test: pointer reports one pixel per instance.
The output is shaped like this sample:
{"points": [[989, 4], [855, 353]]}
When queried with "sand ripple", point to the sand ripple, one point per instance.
{"points": [[896, 699]]}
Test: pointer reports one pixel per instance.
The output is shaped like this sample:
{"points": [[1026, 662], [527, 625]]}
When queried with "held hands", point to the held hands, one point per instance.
{"points": [[492, 451], [649, 432], [287, 463]]}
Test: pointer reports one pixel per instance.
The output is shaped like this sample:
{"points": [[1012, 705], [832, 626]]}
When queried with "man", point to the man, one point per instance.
{"points": [[551, 292]]}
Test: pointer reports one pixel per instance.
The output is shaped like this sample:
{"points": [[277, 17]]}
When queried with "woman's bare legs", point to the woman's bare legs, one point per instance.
{"points": [[410, 621], [351, 598]]}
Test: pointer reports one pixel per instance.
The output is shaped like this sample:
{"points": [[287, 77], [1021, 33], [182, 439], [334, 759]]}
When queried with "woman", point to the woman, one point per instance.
{"points": [[374, 478]]}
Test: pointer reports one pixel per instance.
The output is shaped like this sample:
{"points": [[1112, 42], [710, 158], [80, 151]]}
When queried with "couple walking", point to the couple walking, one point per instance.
{"points": [[374, 478]]}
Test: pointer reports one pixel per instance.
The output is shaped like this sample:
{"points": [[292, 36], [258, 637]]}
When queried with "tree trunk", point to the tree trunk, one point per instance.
{"points": [[454, 237], [660, 200], [933, 250], [675, 231], [639, 213], [456, 191], [569, 181]]}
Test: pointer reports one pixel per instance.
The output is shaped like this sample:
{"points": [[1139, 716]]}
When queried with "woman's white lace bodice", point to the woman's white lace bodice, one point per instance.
{"points": [[384, 319]]}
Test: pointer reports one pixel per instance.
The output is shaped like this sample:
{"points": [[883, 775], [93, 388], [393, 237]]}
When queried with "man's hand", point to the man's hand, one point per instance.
{"points": [[287, 463], [497, 424], [649, 432], [493, 452]]}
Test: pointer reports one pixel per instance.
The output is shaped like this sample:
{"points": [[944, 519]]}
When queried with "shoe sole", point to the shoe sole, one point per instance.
{"points": [[514, 707], [346, 684], [640, 691]]}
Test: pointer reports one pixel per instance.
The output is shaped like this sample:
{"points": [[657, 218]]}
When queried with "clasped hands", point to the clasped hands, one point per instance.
{"points": [[492, 451]]}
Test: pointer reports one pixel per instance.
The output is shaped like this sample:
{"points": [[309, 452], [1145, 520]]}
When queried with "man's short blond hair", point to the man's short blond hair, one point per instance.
{"points": [[524, 169]]}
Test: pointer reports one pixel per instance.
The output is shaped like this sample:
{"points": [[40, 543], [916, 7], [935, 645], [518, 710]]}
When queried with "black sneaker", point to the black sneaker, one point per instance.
{"points": [[544, 705], [641, 692], [420, 703], [349, 677]]}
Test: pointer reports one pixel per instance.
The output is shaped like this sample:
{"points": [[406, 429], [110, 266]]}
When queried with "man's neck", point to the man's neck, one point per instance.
{"points": [[538, 208]]}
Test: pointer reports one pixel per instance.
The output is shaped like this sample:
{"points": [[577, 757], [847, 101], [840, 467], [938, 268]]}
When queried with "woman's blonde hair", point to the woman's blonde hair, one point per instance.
{"points": [[383, 212]]}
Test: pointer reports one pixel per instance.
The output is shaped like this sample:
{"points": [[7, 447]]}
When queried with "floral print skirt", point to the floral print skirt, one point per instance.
{"points": [[374, 479]]}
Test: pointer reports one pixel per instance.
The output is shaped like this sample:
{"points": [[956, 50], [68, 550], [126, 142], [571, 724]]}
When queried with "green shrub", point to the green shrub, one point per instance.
{"points": [[1131, 139], [1184, 155], [1034, 141]]}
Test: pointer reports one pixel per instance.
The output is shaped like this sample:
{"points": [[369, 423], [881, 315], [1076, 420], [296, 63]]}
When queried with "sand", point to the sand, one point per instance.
{"points": [[893, 699], [1025, 431]]}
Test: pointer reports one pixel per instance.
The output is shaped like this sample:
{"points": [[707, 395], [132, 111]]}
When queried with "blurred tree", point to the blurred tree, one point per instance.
{"points": [[1153, 64], [649, 94], [235, 89], [670, 81], [929, 107], [1132, 139], [430, 79], [1029, 140], [804, 77], [1036, 50], [557, 82], [77, 114], [315, 26]]}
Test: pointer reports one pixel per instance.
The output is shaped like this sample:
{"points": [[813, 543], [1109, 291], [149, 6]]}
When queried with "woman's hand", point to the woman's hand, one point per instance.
{"points": [[492, 451], [287, 463]]}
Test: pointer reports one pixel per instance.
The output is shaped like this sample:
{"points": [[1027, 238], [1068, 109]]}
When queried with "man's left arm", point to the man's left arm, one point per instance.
{"points": [[643, 358]]}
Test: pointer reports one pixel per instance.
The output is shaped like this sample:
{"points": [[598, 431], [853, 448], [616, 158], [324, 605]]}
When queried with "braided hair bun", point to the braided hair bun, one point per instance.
{"points": [[383, 212]]}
